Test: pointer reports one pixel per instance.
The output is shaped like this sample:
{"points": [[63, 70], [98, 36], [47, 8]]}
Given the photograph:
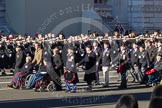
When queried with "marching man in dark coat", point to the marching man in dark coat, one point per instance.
{"points": [[134, 54], [20, 59], [144, 63], [71, 68], [58, 67], [2, 59], [152, 51], [10, 56], [89, 62], [98, 52], [123, 59]]}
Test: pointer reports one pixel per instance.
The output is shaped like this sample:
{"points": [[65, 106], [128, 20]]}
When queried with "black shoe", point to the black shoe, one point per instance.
{"points": [[58, 89], [3, 74], [122, 87], [89, 89], [11, 71], [142, 82]]}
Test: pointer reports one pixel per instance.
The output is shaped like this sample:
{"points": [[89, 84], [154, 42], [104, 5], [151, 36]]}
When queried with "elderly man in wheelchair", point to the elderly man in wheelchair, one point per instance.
{"points": [[40, 80], [18, 79], [153, 74]]}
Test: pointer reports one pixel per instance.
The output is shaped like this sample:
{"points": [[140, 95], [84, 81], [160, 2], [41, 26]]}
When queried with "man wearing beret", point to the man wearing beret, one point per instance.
{"points": [[71, 67]]}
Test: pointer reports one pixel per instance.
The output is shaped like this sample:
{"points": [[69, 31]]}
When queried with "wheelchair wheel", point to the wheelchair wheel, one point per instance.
{"points": [[27, 80], [22, 86], [51, 88], [14, 86], [160, 82], [18, 84]]}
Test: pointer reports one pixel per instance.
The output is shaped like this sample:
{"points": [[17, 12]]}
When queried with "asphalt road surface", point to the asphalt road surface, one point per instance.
{"points": [[98, 98]]}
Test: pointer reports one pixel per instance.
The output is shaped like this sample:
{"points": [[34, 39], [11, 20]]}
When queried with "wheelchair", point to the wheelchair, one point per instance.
{"points": [[156, 79], [43, 84], [21, 82]]}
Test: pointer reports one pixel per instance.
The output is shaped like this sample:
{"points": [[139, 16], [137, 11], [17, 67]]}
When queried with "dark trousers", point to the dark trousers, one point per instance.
{"points": [[123, 77], [136, 74], [97, 74], [154, 79], [57, 83], [145, 77]]}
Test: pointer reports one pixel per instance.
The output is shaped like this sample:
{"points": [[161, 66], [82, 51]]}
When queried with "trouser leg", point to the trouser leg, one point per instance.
{"points": [[67, 86], [136, 71], [106, 75], [143, 75], [97, 74], [74, 87], [123, 79]]}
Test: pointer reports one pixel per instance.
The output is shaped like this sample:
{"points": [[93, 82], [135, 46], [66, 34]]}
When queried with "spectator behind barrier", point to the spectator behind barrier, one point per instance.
{"points": [[156, 102], [157, 92], [127, 101]]}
